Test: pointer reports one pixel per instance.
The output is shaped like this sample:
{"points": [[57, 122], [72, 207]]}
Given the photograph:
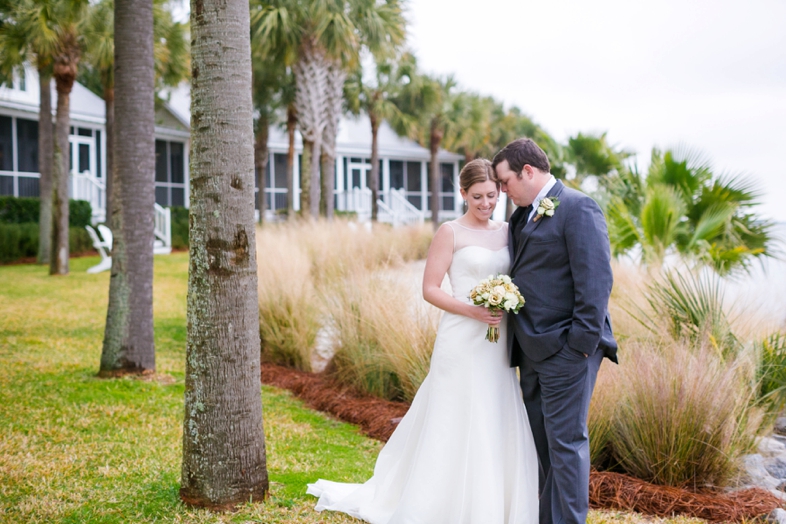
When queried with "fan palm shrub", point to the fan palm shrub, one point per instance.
{"points": [[683, 206]]}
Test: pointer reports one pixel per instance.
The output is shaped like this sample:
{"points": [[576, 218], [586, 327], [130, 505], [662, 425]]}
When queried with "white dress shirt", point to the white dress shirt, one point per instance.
{"points": [[541, 196]]}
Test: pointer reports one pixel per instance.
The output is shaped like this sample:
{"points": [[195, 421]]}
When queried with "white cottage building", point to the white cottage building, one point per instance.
{"points": [[404, 165]]}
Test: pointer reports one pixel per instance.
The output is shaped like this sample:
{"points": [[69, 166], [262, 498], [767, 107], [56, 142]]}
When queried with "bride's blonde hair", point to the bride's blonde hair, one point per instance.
{"points": [[479, 170]]}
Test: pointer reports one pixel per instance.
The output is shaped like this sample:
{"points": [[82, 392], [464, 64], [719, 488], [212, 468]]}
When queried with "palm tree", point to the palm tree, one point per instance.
{"points": [[592, 155], [377, 99], [320, 40], [27, 35], [268, 79], [430, 114], [70, 15], [171, 64], [223, 437], [683, 207], [128, 338]]}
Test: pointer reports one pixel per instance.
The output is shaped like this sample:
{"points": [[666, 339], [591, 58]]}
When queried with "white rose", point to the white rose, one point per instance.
{"points": [[499, 290], [550, 213], [541, 210], [546, 204], [511, 297], [506, 279]]}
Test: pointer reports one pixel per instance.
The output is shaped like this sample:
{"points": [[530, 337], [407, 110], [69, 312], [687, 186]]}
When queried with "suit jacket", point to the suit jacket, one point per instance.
{"points": [[562, 266]]}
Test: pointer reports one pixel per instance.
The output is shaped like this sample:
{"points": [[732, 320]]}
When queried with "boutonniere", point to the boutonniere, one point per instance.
{"points": [[546, 207]]}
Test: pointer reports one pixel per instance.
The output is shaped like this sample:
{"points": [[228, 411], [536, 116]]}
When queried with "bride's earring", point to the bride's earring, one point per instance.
{"points": [[465, 207]]}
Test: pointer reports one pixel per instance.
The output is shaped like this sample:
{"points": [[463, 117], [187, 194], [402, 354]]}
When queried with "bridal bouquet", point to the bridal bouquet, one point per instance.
{"points": [[500, 293]]}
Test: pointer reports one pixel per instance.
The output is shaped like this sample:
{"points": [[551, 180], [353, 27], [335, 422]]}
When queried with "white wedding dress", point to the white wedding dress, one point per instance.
{"points": [[464, 453]]}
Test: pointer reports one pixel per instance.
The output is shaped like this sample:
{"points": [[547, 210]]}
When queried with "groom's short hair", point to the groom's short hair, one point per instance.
{"points": [[520, 153]]}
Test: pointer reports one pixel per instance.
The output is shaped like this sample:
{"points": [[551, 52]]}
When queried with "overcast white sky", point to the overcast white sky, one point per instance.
{"points": [[707, 74]]}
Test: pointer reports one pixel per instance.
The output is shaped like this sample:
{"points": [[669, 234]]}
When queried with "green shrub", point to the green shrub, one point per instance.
{"points": [[19, 241], [26, 210], [79, 213], [179, 227], [18, 210], [771, 372]]}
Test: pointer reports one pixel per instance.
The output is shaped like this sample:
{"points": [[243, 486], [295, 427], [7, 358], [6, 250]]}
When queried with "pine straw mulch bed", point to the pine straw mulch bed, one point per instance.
{"points": [[378, 418]]}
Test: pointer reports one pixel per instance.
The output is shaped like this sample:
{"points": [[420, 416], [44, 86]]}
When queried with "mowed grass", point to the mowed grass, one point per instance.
{"points": [[78, 449]]}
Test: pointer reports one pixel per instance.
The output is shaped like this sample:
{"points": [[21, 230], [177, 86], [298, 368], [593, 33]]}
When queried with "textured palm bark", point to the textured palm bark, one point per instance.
{"points": [[261, 158], [291, 124], [58, 258], [436, 140], [128, 346], [45, 161], [334, 104], [109, 107], [223, 438], [311, 98], [305, 178], [373, 184]]}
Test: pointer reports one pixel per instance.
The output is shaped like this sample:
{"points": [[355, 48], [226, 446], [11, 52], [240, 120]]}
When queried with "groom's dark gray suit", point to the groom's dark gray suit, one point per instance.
{"points": [[562, 266]]}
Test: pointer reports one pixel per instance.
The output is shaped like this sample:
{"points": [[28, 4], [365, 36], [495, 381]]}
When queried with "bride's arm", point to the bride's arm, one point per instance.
{"points": [[440, 255]]}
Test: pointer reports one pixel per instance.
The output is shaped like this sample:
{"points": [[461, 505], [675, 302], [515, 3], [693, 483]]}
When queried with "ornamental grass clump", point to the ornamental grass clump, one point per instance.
{"points": [[684, 414], [384, 336], [289, 314]]}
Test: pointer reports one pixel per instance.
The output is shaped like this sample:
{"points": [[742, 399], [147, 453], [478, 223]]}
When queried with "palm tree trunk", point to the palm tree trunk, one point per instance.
{"points": [[373, 184], [109, 105], [128, 338], [313, 184], [223, 437], [59, 254], [261, 157], [328, 183], [436, 139], [305, 178], [45, 160], [291, 124]]}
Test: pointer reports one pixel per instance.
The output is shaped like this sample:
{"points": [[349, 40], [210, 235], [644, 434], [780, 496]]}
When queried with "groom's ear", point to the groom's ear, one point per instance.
{"points": [[527, 171]]}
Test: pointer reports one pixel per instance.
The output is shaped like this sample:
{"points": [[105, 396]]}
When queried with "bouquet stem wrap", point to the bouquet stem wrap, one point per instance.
{"points": [[492, 334]]}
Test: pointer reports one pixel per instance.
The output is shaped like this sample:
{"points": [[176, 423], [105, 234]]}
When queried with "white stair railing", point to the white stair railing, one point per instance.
{"points": [[163, 230], [86, 187], [402, 209]]}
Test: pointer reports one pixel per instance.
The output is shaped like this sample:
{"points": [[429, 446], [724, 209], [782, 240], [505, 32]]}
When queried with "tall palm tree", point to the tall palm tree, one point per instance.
{"points": [[268, 78], [684, 207], [223, 437], [171, 63], [27, 35], [70, 15], [377, 98], [428, 103], [128, 338], [320, 39]]}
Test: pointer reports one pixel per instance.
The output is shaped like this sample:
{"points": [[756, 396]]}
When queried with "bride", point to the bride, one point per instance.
{"points": [[464, 453]]}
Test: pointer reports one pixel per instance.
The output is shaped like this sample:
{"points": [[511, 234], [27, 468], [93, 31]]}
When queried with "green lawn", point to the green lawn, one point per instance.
{"points": [[76, 449]]}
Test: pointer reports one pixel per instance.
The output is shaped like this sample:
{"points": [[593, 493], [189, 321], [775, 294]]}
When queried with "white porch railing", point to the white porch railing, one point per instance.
{"points": [[86, 187], [393, 206], [163, 230]]}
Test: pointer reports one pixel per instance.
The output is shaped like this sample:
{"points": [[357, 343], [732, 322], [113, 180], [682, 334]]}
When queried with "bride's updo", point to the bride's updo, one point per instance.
{"points": [[479, 170]]}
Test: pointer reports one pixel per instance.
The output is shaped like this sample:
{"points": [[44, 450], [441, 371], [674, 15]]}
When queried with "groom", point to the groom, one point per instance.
{"points": [[560, 260]]}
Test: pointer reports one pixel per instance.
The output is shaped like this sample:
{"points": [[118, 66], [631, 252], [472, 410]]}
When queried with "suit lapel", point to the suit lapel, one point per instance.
{"points": [[532, 225], [515, 220]]}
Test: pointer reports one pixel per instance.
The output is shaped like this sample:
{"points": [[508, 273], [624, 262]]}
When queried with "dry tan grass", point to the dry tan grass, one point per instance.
{"points": [[384, 335], [302, 262]]}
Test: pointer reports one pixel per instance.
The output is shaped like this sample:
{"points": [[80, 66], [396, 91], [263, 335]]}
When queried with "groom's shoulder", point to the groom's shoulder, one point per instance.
{"points": [[574, 196]]}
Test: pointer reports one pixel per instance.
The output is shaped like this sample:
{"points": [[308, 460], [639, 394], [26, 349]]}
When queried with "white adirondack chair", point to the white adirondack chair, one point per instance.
{"points": [[104, 248]]}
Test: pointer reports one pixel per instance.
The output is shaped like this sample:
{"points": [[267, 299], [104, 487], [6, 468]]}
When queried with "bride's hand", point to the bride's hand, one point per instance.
{"points": [[491, 317]]}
